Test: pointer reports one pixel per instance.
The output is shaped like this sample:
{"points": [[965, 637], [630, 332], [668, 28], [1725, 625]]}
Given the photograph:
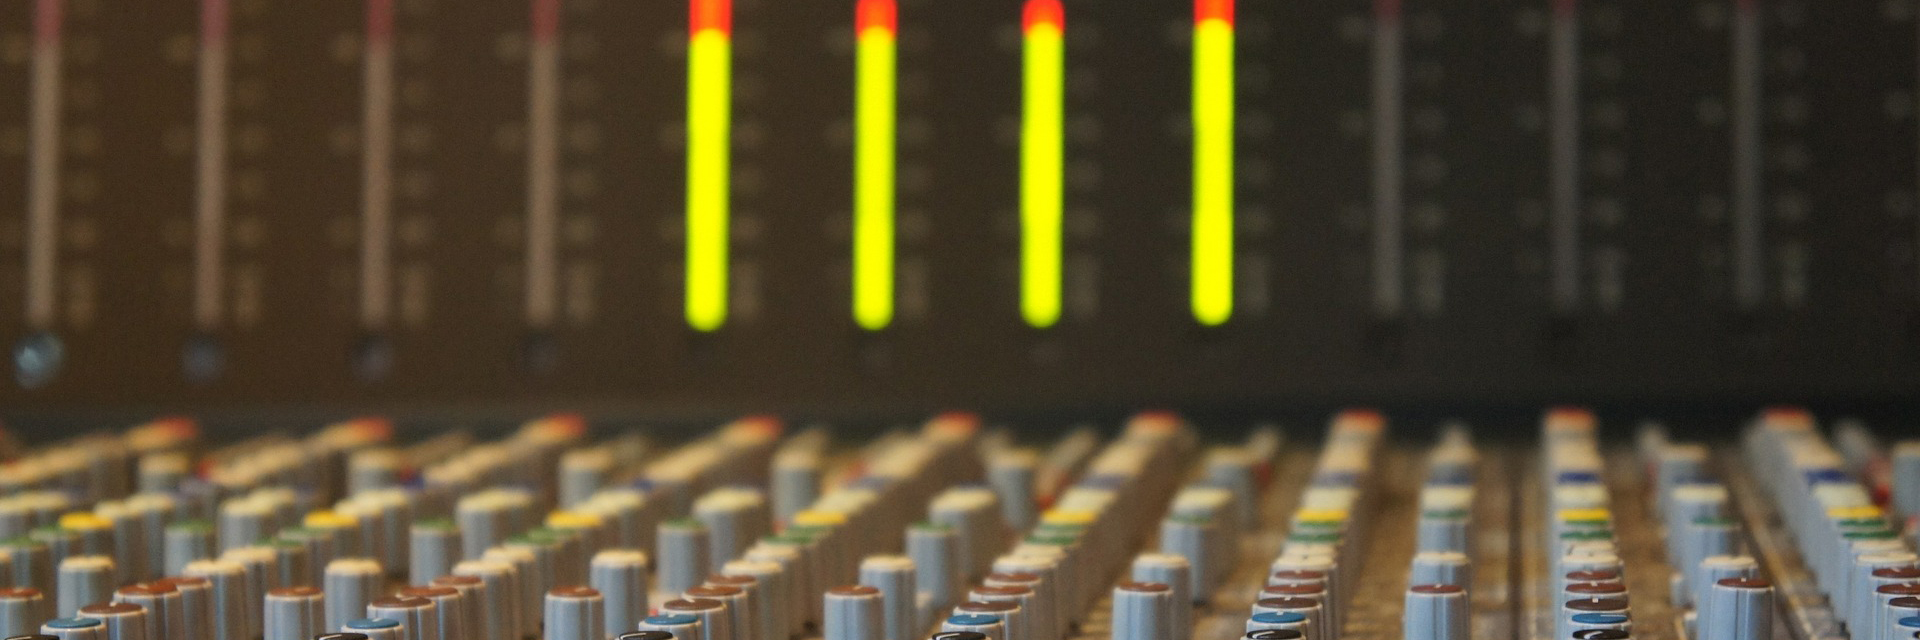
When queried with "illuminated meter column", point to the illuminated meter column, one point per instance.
{"points": [[377, 166], [37, 357], [1042, 161], [709, 138], [875, 161], [1213, 167], [543, 166]]}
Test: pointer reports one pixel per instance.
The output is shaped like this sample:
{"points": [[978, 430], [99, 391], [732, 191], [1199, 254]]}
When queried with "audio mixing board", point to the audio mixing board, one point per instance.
{"points": [[714, 206], [640, 216], [955, 530]]}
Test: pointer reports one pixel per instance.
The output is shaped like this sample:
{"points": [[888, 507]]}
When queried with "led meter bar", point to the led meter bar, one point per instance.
{"points": [[874, 161], [709, 133], [1213, 101], [1042, 161]]}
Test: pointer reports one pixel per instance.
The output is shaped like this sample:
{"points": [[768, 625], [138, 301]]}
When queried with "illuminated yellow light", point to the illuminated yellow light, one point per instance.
{"points": [[818, 518], [709, 124], [1061, 516], [1321, 515], [1213, 104], [875, 115], [1588, 514], [330, 520], [573, 520], [1042, 165]]}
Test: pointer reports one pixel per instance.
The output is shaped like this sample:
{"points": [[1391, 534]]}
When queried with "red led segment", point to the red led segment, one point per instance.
{"points": [[714, 15], [1204, 10], [1043, 12], [877, 14]]}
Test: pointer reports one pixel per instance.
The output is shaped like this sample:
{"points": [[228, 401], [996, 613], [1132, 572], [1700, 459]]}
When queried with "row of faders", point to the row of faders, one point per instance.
{"points": [[740, 535], [1716, 581], [1849, 543], [1308, 583], [1440, 578], [1730, 600]]}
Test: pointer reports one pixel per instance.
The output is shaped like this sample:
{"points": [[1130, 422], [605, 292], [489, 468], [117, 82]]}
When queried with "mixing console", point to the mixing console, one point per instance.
{"points": [[956, 530]]}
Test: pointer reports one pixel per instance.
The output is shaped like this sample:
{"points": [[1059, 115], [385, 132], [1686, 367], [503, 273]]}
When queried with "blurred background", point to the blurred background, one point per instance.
{"points": [[265, 211]]}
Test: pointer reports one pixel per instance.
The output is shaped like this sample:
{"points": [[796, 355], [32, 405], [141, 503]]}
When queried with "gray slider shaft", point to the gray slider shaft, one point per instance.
{"points": [[187, 542], [1011, 472], [436, 546], [583, 472], [1194, 539], [226, 591], [295, 613], [740, 623], [196, 605], [683, 554], [758, 605], [1443, 533], [449, 611], [854, 613], [1713, 570], [732, 518], [1022, 621], [1050, 589], [1742, 610], [32, 564], [1442, 567], [262, 575], [21, 610], [484, 520], [162, 600], [773, 591], [84, 580], [294, 561], [128, 534], [1175, 572], [796, 481], [1436, 612], [500, 597], [526, 567], [937, 562], [125, 621], [1906, 477], [894, 576], [418, 617], [645, 635], [154, 510], [620, 575], [1039, 606], [243, 521], [794, 580], [350, 583], [1142, 611], [974, 515], [473, 599], [576, 613]]}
